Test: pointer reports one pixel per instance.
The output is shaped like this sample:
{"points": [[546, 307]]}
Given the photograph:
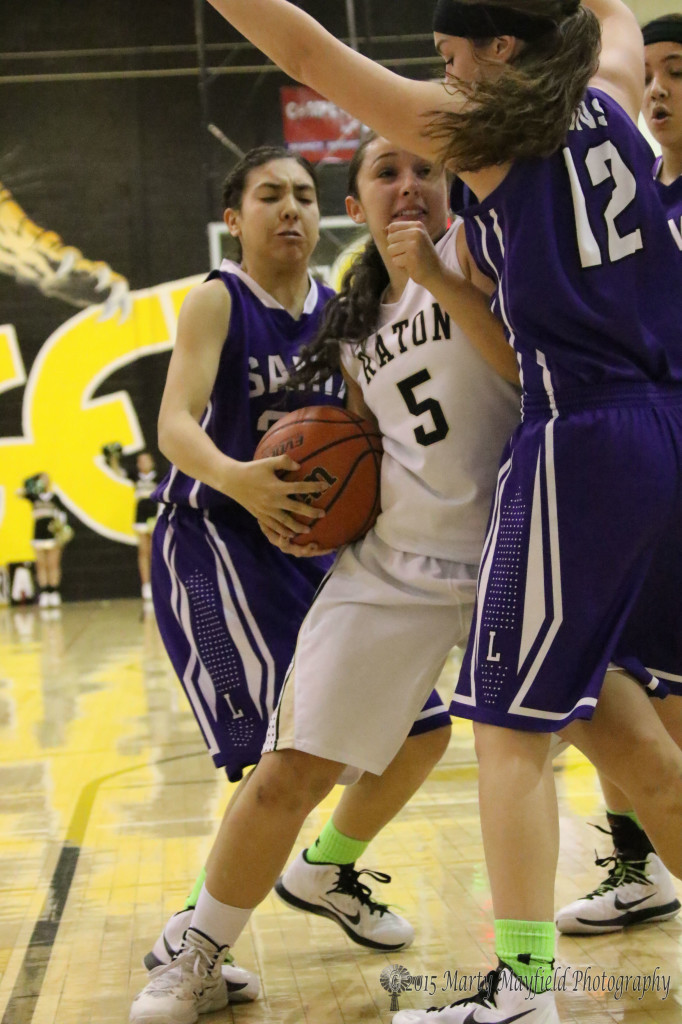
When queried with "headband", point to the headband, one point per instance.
{"points": [[483, 21], [663, 30]]}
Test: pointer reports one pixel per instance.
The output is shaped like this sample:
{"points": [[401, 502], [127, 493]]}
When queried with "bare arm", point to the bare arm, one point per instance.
{"points": [[621, 64], [202, 329], [411, 249], [390, 104], [355, 401]]}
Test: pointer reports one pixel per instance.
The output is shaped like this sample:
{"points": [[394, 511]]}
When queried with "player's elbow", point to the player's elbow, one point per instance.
{"points": [[166, 435], [299, 68]]}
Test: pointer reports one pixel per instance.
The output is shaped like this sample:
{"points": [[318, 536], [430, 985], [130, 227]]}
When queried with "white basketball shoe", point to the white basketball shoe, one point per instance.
{"points": [[634, 892], [335, 891], [192, 983], [242, 986], [502, 998]]}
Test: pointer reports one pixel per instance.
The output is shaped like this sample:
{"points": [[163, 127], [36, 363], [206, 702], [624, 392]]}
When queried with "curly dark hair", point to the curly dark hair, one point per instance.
{"points": [[352, 315]]}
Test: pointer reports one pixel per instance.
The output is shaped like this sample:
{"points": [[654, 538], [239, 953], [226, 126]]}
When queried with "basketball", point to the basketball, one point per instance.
{"points": [[344, 450]]}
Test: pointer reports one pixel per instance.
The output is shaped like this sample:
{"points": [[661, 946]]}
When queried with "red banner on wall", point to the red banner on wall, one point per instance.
{"points": [[316, 128]]}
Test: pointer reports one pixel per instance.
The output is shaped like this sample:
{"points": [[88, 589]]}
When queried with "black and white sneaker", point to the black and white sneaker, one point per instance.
{"points": [[502, 998], [178, 992], [335, 891], [242, 986], [634, 892]]}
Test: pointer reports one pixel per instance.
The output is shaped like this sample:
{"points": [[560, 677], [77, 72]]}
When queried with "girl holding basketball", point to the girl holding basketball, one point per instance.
{"points": [[564, 219], [228, 603], [378, 632]]}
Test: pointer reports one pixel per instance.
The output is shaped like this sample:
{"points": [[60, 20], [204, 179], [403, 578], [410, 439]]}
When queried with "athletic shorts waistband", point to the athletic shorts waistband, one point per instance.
{"points": [[541, 405]]}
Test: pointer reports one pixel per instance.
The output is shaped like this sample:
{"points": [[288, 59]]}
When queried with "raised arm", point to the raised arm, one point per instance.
{"points": [[621, 64], [467, 304], [393, 106]]}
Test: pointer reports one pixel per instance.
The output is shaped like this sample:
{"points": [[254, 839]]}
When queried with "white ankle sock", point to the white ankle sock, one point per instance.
{"points": [[222, 923]]}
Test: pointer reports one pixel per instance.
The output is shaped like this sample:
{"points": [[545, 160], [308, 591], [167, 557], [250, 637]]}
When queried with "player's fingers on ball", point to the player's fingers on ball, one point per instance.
{"points": [[284, 462], [305, 486], [290, 527], [299, 508]]}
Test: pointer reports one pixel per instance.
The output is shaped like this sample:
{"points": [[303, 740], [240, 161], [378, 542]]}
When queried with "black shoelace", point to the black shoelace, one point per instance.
{"points": [[484, 996], [348, 884], [621, 872], [490, 985]]}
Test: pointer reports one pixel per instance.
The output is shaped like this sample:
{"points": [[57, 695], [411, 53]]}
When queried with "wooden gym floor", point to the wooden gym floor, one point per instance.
{"points": [[108, 805]]}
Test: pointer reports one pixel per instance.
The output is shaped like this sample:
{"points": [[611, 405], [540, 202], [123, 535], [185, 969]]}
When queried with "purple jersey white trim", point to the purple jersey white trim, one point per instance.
{"points": [[567, 583], [578, 247], [580, 250], [650, 647], [228, 605], [262, 343], [671, 196]]}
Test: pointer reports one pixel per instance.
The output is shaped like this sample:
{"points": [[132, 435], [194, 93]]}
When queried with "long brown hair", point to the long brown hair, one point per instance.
{"points": [[527, 109], [352, 315]]}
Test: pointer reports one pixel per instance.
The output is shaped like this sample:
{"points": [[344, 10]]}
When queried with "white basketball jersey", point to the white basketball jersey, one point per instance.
{"points": [[445, 416]]}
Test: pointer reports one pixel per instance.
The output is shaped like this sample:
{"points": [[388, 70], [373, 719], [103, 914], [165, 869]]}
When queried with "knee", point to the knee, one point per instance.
{"points": [[670, 713], [293, 782], [430, 746], [508, 749], [489, 741], [656, 766]]}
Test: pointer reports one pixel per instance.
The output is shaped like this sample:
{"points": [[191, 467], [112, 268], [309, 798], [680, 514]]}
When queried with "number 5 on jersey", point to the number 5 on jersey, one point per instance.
{"points": [[417, 407]]}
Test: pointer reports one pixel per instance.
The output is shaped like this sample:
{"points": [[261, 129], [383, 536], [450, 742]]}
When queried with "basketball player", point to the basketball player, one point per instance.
{"points": [[377, 635], [49, 518], [145, 482], [638, 888], [228, 603], [567, 224]]}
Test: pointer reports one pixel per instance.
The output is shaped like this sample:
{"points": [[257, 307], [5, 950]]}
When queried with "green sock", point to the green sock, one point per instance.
{"points": [[528, 948], [626, 814], [332, 847], [191, 900]]}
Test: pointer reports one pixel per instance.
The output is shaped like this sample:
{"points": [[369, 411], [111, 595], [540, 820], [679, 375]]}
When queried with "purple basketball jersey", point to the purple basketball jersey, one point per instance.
{"points": [[589, 286], [650, 646], [262, 343], [228, 603], [578, 246], [671, 196]]}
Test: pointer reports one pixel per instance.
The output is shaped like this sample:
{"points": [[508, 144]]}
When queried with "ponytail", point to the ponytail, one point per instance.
{"points": [[350, 317]]}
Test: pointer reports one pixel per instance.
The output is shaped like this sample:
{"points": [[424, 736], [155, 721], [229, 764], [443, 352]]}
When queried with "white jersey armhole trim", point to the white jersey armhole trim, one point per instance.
{"points": [[446, 247]]}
